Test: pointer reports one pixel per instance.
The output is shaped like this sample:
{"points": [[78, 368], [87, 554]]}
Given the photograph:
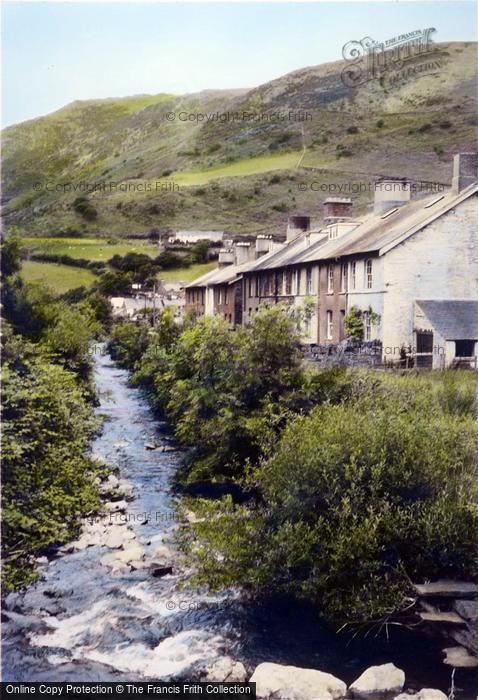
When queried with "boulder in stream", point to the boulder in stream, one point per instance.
{"points": [[423, 694], [378, 681], [277, 681], [226, 670]]}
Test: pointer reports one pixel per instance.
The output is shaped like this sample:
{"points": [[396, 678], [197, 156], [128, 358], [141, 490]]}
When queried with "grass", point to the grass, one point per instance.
{"points": [[241, 168], [60, 278], [186, 274], [89, 248]]}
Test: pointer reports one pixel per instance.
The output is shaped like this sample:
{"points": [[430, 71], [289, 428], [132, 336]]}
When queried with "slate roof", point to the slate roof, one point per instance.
{"points": [[380, 232], [374, 233], [229, 273], [453, 319]]}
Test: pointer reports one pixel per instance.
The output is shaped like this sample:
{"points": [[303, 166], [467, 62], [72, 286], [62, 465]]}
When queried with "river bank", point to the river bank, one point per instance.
{"points": [[99, 614]]}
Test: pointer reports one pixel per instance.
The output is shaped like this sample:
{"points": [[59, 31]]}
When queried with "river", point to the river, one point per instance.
{"points": [[82, 621]]}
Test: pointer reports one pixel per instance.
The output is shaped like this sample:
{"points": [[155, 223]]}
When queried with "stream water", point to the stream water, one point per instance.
{"points": [[82, 621]]}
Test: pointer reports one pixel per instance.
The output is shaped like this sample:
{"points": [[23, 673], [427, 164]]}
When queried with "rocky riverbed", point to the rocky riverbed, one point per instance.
{"points": [[117, 602]]}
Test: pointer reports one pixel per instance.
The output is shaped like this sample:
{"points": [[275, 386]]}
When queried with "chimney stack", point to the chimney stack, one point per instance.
{"points": [[243, 252], [297, 224], [465, 171], [337, 209], [390, 193], [263, 245]]}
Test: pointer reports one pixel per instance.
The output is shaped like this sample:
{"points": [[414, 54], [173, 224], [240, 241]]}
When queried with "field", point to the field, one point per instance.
{"points": [[89, 248], [60, 278], [186, 274]]}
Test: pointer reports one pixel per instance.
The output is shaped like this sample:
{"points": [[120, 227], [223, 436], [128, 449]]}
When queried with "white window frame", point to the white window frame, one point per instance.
{"points": [[308, 281], [330, 325], [369, 273], [344, 271], [367, 326], [330, 279], [353, 274]]}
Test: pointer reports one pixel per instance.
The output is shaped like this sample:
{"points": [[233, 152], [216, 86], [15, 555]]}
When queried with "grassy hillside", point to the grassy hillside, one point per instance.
{"points": [[260, 154]]}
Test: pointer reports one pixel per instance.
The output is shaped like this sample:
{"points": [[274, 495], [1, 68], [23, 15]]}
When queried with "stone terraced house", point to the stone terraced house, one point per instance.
{"points": [[410, 267]]}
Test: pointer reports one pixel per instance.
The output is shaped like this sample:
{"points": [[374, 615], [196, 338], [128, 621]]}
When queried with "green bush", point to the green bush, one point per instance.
{"points": [[358, 499], [83, 206], [227, 393], [47, 480]]}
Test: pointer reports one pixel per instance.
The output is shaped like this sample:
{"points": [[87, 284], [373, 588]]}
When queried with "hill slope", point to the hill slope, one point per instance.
{"points": [[241, 159]]}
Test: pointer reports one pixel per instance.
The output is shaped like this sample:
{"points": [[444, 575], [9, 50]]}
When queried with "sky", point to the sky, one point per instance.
{"points": [[56, 52]]}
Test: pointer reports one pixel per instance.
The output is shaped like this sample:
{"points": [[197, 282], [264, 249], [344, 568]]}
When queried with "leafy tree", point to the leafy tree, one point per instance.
{"points": [[47, 480], [68, 338], [200, 252]]}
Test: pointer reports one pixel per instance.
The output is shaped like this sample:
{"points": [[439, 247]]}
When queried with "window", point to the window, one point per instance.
{"points": [[343, 277], [298, 274], [367, 324], [250, 286], [368, 274], [226, 294], [353, 275], [464, 348], [288, 281], [330, 279], [219, 296], [308, 281], [330, 325]]}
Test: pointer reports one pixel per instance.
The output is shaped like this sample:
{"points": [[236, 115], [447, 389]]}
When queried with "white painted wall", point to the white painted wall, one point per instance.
{"points": [[438, 262]]}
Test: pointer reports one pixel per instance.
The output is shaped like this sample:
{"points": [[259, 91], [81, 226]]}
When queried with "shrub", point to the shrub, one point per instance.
{"points": [[83, 206], [281, 206], [380, 123], [357, 499], [47, 482], [352, 130]]}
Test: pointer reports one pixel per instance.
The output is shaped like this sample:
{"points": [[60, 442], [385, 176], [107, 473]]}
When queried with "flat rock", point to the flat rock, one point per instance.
{"points": [[168, 448], [113, 481], [378, 680], [137, 564], [459, 658], [467, 637], [441, 617], [468, 609], [115, 506], [226, 670], [131, 554], [118, 538], [277, 681], [163, 555], [447, 589], [423, 694]]}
